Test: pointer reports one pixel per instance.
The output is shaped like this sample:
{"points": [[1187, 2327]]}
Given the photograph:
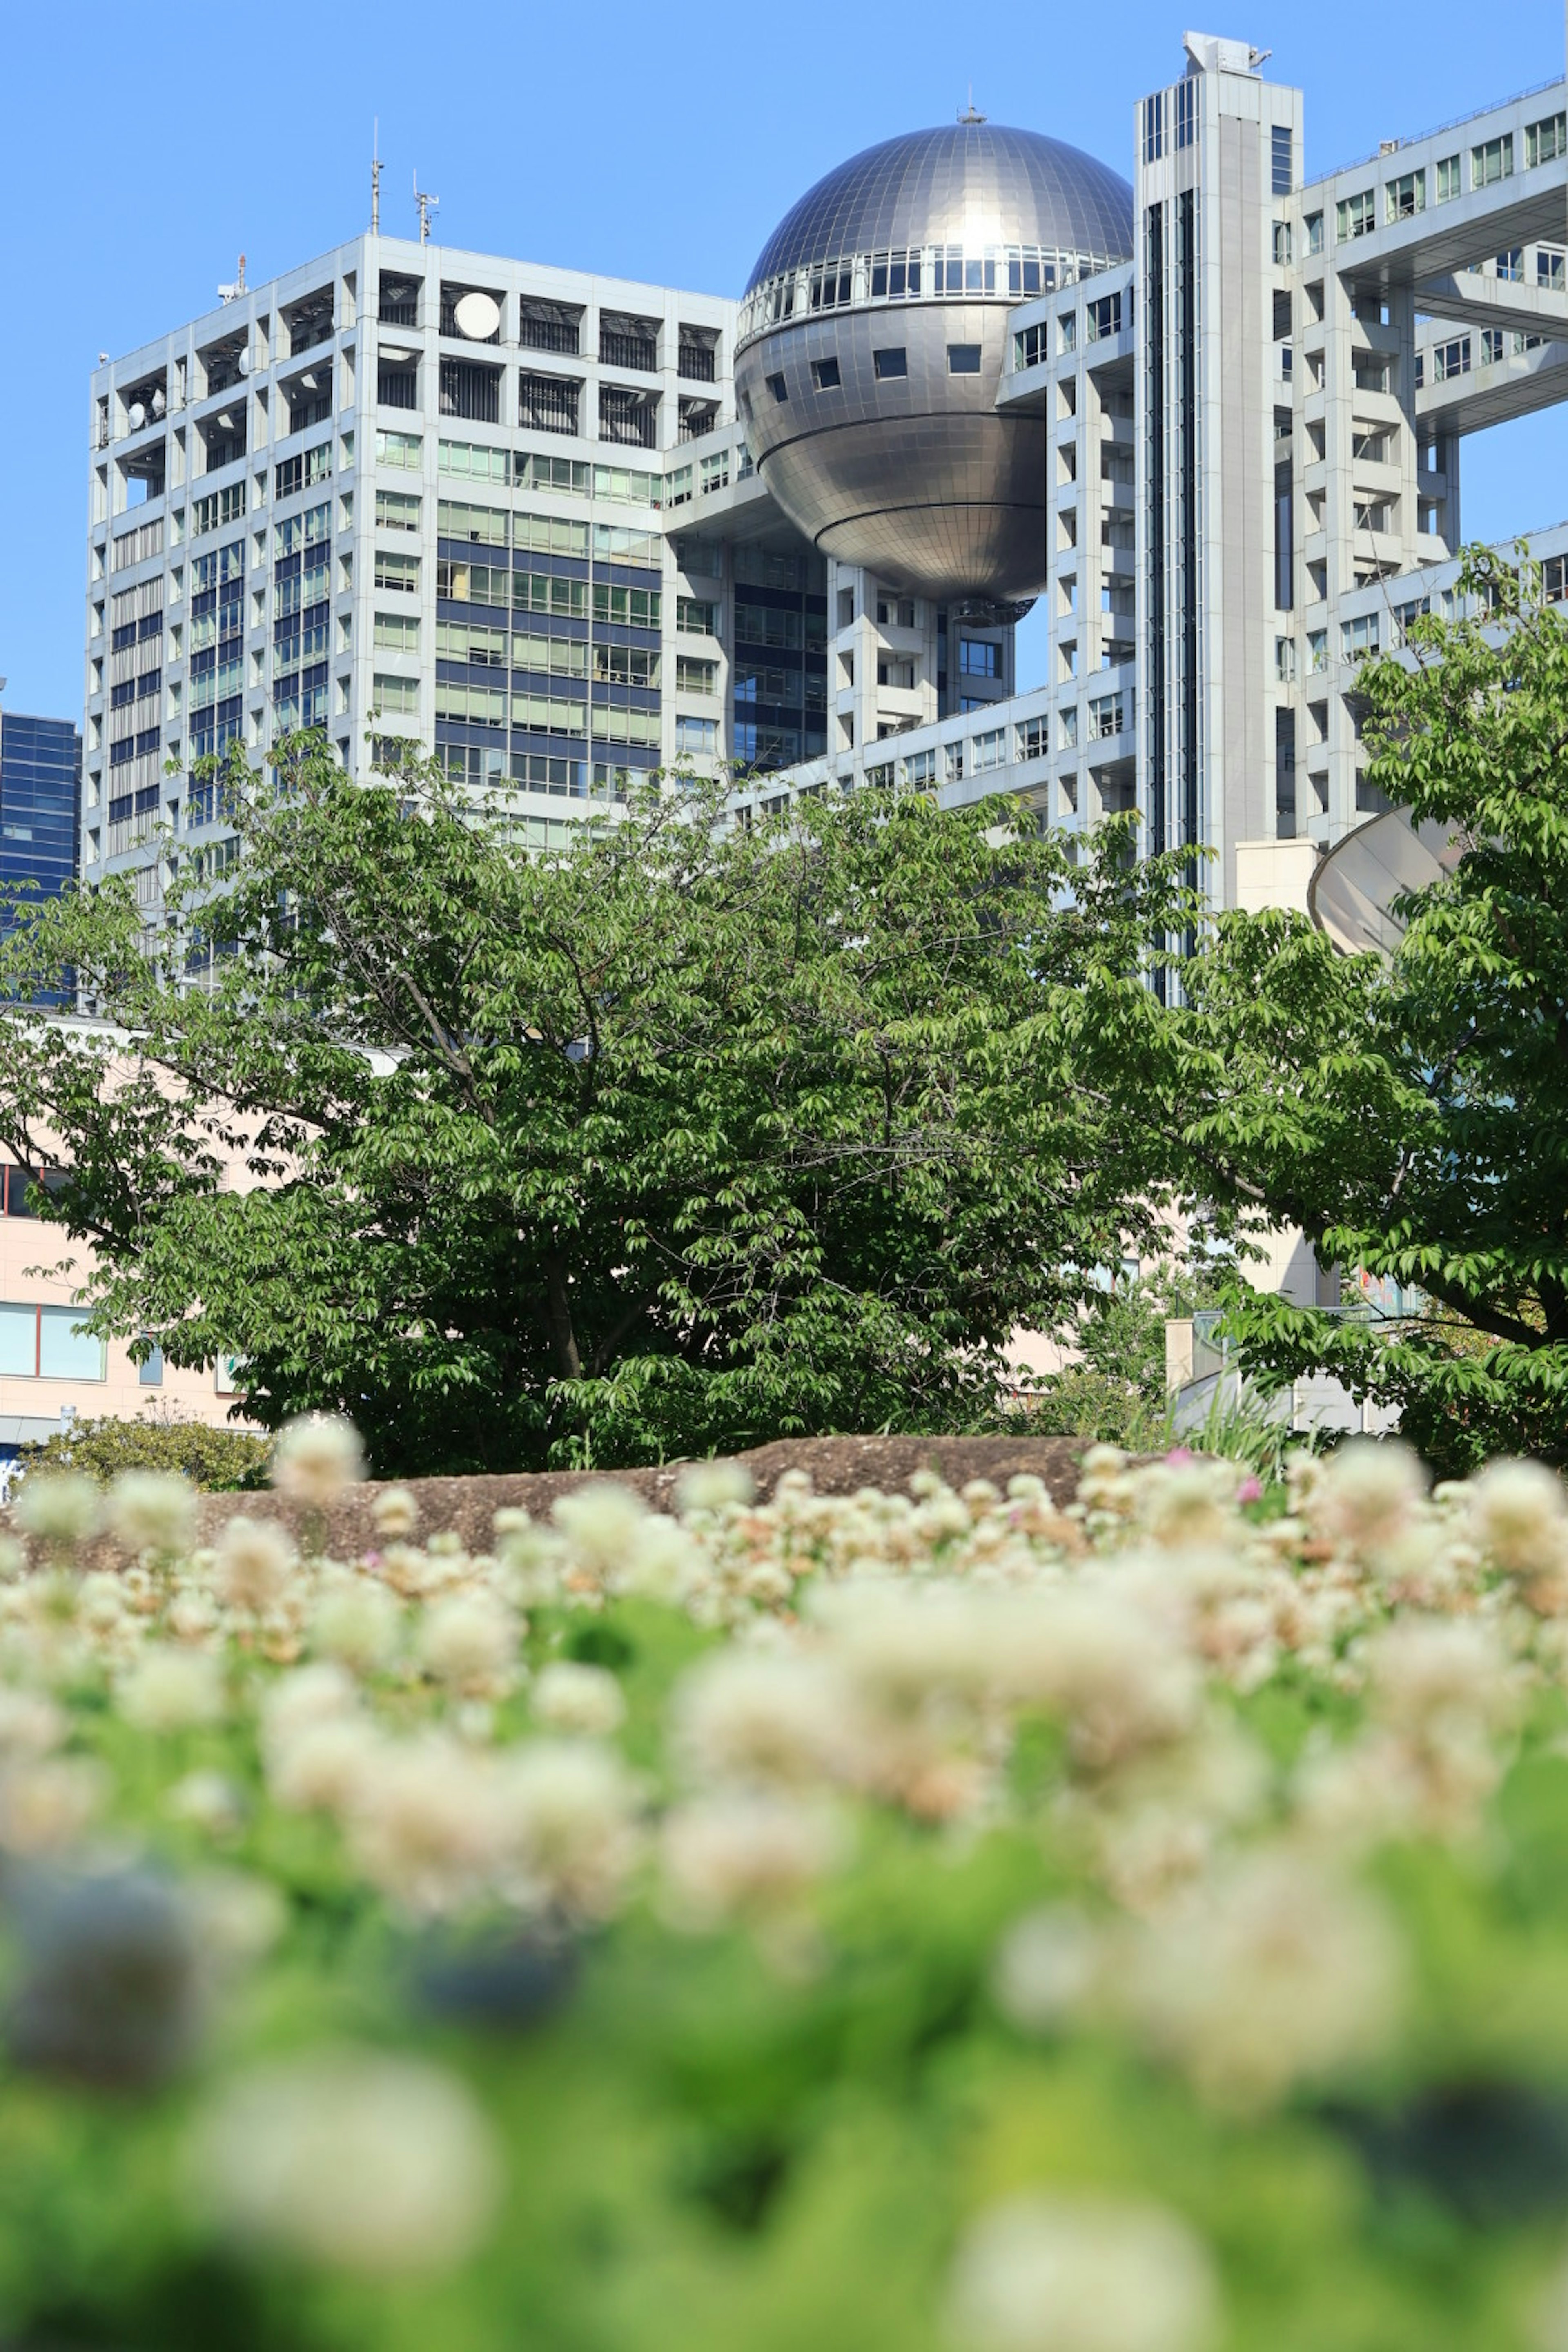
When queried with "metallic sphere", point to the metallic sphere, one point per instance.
{"points": [[871, 343]]}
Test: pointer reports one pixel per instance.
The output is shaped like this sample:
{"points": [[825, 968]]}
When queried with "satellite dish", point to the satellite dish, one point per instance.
{"points": [[1352, 893], [477, 316], [159, 404], [136, 416], [245, 362]]}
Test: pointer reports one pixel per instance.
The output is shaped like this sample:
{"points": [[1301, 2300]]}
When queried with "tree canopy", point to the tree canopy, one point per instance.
{"points": [[1410, 1112], [685, 1138]]}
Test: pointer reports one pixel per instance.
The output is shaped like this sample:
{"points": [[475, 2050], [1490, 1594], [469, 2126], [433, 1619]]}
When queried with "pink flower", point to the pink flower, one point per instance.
{"points": [[1180, 1454], [1249, 1491]]}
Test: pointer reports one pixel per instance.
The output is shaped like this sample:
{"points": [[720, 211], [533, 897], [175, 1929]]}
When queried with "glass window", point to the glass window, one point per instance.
{"points": [[695, 735], [1492, 161], [1406, 196], [396, 693], [476, 460], [890, 363], [824, 374], [1314, 228], [1282, 158], [1357, 215], [1447, 176], [67, 1352], [398, 572], [979, 657], [397, 510], [397, 632], [20, 1342], [963, 359], [1544, 140], [150, 1371], [779, 389]]}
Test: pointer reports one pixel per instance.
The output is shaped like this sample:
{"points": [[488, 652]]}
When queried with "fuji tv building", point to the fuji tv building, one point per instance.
{"points": [[562, 529]]}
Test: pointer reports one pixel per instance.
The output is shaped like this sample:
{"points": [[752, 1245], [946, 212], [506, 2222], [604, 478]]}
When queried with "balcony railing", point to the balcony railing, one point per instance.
{"points": [[637, 351], [548, 335], [698, 362]]}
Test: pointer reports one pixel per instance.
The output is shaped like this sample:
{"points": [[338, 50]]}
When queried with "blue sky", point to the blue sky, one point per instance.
{"points": [[144, 152]]}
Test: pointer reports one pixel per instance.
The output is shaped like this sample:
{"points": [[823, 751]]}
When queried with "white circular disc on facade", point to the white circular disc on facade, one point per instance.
{"points": [[478, 316]]}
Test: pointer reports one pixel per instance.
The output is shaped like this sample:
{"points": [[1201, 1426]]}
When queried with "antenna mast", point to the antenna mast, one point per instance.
{"points": [[376, 178], [427, 206]]}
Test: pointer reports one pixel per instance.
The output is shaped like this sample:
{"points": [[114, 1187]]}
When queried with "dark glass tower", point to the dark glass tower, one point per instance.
{"points": [[40, 806]]}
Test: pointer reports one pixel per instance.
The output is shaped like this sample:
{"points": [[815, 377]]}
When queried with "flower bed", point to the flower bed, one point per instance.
{"points": [[875, 1920]]}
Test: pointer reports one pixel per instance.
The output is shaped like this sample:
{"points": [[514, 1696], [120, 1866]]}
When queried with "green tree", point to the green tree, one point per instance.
{"points": [[1410, 1113], [686, 1139]]}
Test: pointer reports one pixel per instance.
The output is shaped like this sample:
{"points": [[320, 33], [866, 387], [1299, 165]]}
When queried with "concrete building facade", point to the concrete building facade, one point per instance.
{"points": [[514, 513]]}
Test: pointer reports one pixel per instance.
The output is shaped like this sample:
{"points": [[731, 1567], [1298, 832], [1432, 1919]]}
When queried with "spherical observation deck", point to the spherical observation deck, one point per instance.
{"points": [[871, 342]]}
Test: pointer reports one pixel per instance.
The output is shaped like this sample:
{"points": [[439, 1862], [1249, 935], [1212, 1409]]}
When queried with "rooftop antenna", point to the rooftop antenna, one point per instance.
{"points": [[427, 206], [232, 293], [376, 178], [972, 112]]}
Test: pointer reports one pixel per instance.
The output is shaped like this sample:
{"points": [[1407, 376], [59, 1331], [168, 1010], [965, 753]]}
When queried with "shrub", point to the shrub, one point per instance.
{"points": [[220, 1461]]}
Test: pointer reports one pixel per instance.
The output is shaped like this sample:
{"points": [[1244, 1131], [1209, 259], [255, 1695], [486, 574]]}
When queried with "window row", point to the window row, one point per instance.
{"points": [[915, 274], [1405, 195]]}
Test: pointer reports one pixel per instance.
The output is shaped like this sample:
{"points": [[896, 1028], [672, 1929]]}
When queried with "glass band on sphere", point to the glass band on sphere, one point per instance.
{"points": [[901, 462]]}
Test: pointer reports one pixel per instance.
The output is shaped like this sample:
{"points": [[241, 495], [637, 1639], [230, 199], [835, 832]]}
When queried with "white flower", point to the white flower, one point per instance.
{"points": [[173, 1690], [1370, 1490], [1432, 1676], [208, 1800], [662, 1564], [743, 1853], [709, 1486], [570, 1818], [1117, 1675], [316, 1459], [30, 1724], [101, 1602], [752, 1716], [601, 1523], [47, 1803], [237, 1916], [152, 1510], [324, 1766], [350, 2159], [580, 1699], [1081, 2274], [468, 1643], [394, 1512], [254, 1561], [58, 1507], [1520, 1518], [308, 1695], [1274, 1973], [1046, 1968], [356, 1621], [424, 1825]]}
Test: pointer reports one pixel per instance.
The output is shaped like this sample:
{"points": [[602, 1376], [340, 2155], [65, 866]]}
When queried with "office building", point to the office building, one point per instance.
{"points": [[562, 529], [40, 803]]}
